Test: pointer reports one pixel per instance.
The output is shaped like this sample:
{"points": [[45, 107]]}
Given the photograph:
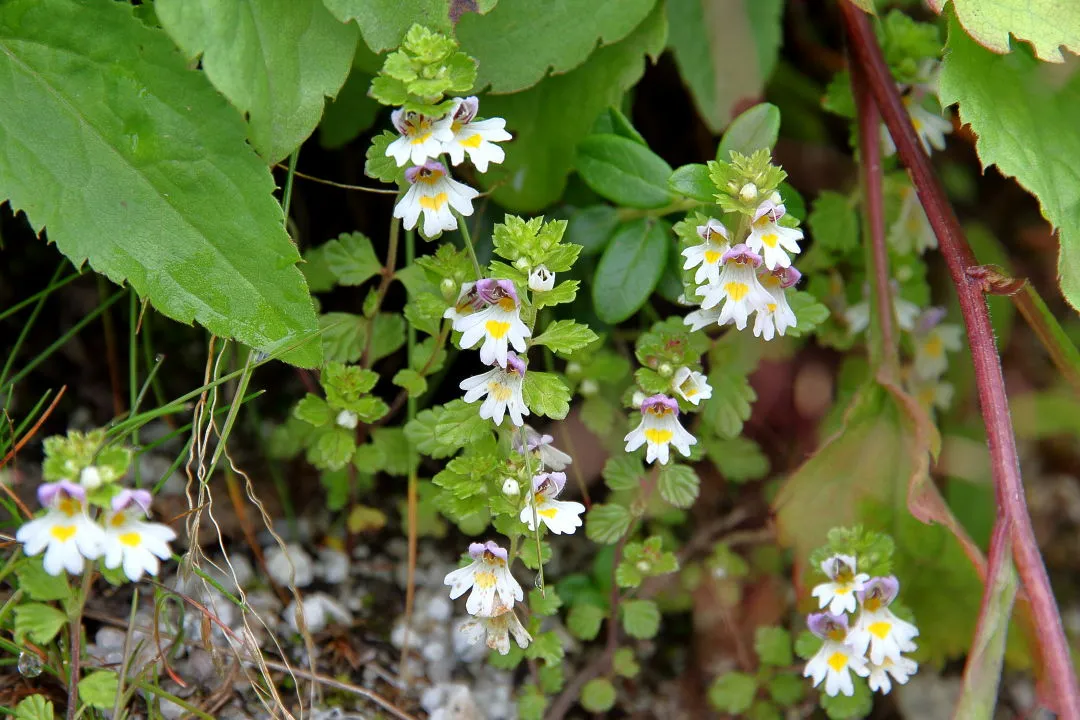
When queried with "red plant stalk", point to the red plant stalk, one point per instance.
{"points": [[1005, 465]]}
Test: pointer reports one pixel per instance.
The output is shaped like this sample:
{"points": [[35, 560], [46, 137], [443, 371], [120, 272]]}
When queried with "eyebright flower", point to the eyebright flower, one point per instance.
{"points": [[129, 540], [877, 627], [475, 137], [839, 593], [66, 533], [433, 192], [698, 319], [659, 428], [770, 239], [541, 279], [931, 346], [777, 316], [488, 576], [691, 385], [468, 302], [498, 325], [550, 456], [836, 659], [421, 138], [560, 516], [502, 386], [901, 671], [930, 127], [708, 254], [738, 289], [497, 630], [912, 229]]}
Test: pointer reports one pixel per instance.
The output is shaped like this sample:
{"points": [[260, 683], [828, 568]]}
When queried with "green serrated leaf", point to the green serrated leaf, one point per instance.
{"points": [[546, 394], [275, 60], [730, 404], [624, 171], [564, 292], [566, 336], [630, 268], [773, 646], [834, 224], [544, 603], [623, 471], [809, 313], [693, 181], [380, 167], [99, 149], [584, 620], [787, 690], [606, 523], [445, 429], [733, 692], [98, 689], [352, 258], [344, 336], [333, 449], [387, 335], [313, 410], [598, 695], [35, 707], [40, 585], [546, 646], [739, 459], [413, 382], [807, 644], [1047, 24], [679, 485], [842, 707], [38, 621], [624, 663], [640, 618], [550, 120], [531, 703]]}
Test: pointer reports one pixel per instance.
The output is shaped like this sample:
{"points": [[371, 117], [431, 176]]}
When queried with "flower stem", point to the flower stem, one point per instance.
{"points": [[1009, 489], [463, 227], [75, 649]]}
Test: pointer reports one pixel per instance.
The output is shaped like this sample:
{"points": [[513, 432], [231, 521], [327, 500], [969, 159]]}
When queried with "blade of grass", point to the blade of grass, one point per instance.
{"points": [[41, 298]]}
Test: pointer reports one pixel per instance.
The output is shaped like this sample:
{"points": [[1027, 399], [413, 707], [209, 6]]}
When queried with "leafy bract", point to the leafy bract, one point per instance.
{"points": [[1047, 24], [133, 161], [709, 38], [1026, 125], [518, 42], [276, 61], [549, 120]]}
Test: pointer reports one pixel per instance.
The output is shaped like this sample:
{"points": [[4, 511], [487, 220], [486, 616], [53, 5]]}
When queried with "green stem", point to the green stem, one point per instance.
{"points": [[133, 373], [75, 646], [286, 201], [678, 206], [464, 228]]}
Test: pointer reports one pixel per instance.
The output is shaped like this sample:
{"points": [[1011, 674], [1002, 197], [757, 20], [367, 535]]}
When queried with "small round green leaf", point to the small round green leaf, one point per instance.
{"points": [[598, 695], [629, 269]]}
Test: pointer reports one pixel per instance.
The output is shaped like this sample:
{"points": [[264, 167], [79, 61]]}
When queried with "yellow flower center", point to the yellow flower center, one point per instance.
{"points": [[131, 539], [496, 328], [933, 346], [433, 202], [548, 513], [837, 661], [421, 138], [499, 391], [771, 307], [880, 629], [770, 239], [117, 520], [69, 507], [658, 436], [63, 533], [736, 290], [473, 141], [712, 257], [484, 580]]}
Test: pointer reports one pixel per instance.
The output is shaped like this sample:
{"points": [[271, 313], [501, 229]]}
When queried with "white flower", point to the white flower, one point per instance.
{"points": [[912, 229], [421, 138], [901, 671], [510, 488], [541, 279], [90, 477], [560, 516], [835, 660], [738, 289], [699, 319], [468, 302], [709, 253], [771, 240], [930, 127], [475, 137], [497, 630], [498, 325], [347, 419], [502, 388], [878, 628], [66, 533], [433, 193], [659, 428], [132, 542], [839, 593], [488, 576], [931, 346], [541, 447], [777, 316], [691, 385]]}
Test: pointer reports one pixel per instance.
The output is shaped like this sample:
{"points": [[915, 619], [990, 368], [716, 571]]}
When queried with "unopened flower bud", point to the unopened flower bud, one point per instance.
{"points": [[347, 419], [643, 566], [541, 279], [665, 370], [589, 387], [637, 399], [748, 192], [510, 488], [573, 369], [522, 263], [449, 290], [90, 478]]}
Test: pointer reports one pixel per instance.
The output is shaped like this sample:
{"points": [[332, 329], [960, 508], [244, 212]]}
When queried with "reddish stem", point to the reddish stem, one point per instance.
{"points": [[1053, 647]]}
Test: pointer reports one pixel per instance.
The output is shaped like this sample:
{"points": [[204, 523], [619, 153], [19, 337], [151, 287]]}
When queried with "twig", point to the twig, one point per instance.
{"points": [[1009, 490], [343, 186], [343, 686]]}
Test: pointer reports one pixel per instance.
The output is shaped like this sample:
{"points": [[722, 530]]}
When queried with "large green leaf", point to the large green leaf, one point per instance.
{"points": [[276, 60], [1047, 24], [549, 120], [725, 51], [133, 161], [383, 23], [629, 269], [623, 171], [520, 40], [1026, 124]]}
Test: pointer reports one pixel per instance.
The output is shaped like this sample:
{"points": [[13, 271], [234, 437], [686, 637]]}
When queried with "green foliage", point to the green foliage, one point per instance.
{"points": [[546, 646], [731, 178], [624, 664], [274, 60], [98, 689], [520, 41], [598, 695], [1022, 120], [679, 485], [773, 646], [807, 644], [787, 689], [546, 394], [738, 459], [729, 406], [592, 227], [584, 620], [35, 707], [107, 102], [693, 181], [755, 129], [38, 622], [630, 268], [640, 618], [1048, 25], [733, 692], [534, 243], [566, 336], [834, 224], [841, 707], [642, 560], [66, 456], [351, 258], [809, 313], [544, 603], [427, 66], [40, 585], [444, 429], [413, 382], [380, 167], [606, 523], [531, 703], [624, 171], [383, 23], [623, 472]]}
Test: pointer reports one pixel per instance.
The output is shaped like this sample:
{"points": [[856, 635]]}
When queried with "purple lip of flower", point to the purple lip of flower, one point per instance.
{"points": [[773, 210], [550, 484], [789, 276], [649, 403], [47, 493], [822, 623], [126, 497], [476, 550], [466, 110], [514, 363], [492, 547], [706, 231], [929, 319], [430, 171], [742, 254], [491, 290], [885, 588]]}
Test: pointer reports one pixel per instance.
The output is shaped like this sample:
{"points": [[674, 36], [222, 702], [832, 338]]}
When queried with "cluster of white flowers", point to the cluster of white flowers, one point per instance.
{"points": [[932, 339], [873, 647], [422, 141], [69, 535], [751, 276]]}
